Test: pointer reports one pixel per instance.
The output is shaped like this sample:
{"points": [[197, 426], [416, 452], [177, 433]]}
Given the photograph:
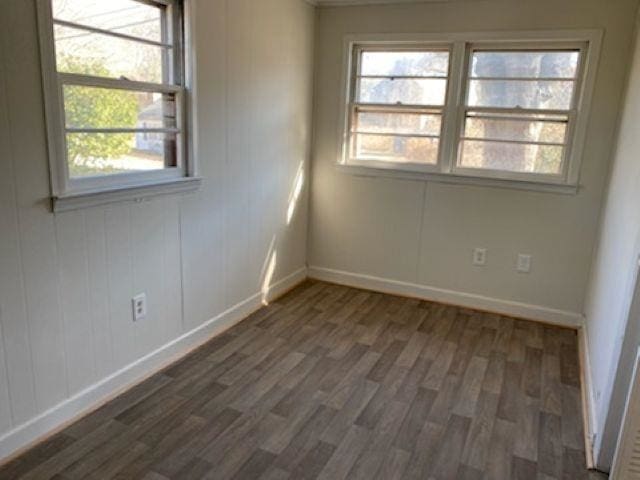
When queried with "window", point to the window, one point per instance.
{"points": [[518, 108], [114, 76], [399, 99], [471, 108]]}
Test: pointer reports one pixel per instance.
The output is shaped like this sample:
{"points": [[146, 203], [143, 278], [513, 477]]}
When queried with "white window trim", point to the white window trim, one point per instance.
{"points": [[447, 171], [67, 194]]}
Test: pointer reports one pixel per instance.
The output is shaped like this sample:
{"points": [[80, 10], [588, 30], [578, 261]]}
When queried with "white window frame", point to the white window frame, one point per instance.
{"points": [[72, 193], [357, 51], [461, 46]]}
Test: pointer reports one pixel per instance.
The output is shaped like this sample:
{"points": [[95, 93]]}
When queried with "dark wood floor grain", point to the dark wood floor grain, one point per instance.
{"points": [[331, 382]]}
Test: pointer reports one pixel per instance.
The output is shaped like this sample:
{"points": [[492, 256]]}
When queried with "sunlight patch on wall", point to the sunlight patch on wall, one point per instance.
{"points": [[266, 283], [298, 183], [268, 270]]}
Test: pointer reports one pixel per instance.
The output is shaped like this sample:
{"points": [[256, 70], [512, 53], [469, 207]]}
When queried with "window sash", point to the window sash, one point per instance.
{"points": [[122, 179], [111, 33], [354, 129], [80, 80], [570, 114], [404, 77], [356, 107]]}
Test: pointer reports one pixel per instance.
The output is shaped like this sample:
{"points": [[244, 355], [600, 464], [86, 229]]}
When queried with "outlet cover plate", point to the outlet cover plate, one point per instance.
{"points": [[524, 263], [479, 256], [139, 304]]}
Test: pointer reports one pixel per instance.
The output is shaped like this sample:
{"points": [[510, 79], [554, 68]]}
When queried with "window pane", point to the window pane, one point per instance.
{"points": [[404, 91], [511, 157], [390, 148], [519, 130], [551, 64], [97, 154], [79, 51], [554, 95], [409, 63], [378, 122], [90, 107], [121, 16]]}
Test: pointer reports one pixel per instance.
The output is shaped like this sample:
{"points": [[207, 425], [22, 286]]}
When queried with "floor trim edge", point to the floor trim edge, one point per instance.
{"points": [[588, 403], [440, 295]]}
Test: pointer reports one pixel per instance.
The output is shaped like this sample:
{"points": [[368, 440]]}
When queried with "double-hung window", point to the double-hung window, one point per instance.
{"points": [[114, 77], [398, 104], [518, 109], [494, 108]]}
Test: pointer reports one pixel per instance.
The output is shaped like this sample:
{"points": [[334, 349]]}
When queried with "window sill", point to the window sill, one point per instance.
{"points": [[362, 171], [134, 193]]}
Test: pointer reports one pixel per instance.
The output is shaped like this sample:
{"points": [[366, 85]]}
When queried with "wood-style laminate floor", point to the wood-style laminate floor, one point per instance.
{"points": [[332, 382]]}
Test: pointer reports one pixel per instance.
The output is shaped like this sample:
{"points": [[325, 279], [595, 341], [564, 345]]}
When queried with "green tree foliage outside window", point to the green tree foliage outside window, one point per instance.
{"points": [[96, 108]]}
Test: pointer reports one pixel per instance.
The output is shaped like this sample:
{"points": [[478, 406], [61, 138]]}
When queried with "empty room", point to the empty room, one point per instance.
{"points": [[320, 239]]}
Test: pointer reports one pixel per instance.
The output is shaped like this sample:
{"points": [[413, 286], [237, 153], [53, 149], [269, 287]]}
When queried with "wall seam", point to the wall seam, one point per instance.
{"points": [[85, 237], [112, 360], [314, 133], [423, 214], [61, 310]]}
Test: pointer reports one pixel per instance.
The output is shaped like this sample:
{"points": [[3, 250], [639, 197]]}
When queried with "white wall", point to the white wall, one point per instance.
{"points": [[423, 232], [66, 280], [613, 278]]}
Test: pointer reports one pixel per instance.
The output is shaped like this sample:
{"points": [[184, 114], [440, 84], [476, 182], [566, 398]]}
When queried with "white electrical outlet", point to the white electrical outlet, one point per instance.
{"points": [[479, 256], [139, 304], [524, 263]]}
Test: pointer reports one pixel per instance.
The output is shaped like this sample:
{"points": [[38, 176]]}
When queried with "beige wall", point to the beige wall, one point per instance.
{"points": [[423, 232], [614, 334], [66, 280]]}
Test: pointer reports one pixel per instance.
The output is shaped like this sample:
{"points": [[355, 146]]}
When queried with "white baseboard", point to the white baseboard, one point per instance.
{"points": [[86, 401], [434, 294], [588, 398], [287, 283]]}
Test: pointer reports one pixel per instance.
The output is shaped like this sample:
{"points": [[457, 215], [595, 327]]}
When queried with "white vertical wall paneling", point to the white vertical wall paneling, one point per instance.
{"points": [[153, 271], [289, 119], [291, 24], [37, 231], [5, 401], [7, 214], [17, 381], [264, 174], [172, 278], [98, 290], [202, 214], [240, 131], [147, 246], [74, 294], [120, 289]]}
